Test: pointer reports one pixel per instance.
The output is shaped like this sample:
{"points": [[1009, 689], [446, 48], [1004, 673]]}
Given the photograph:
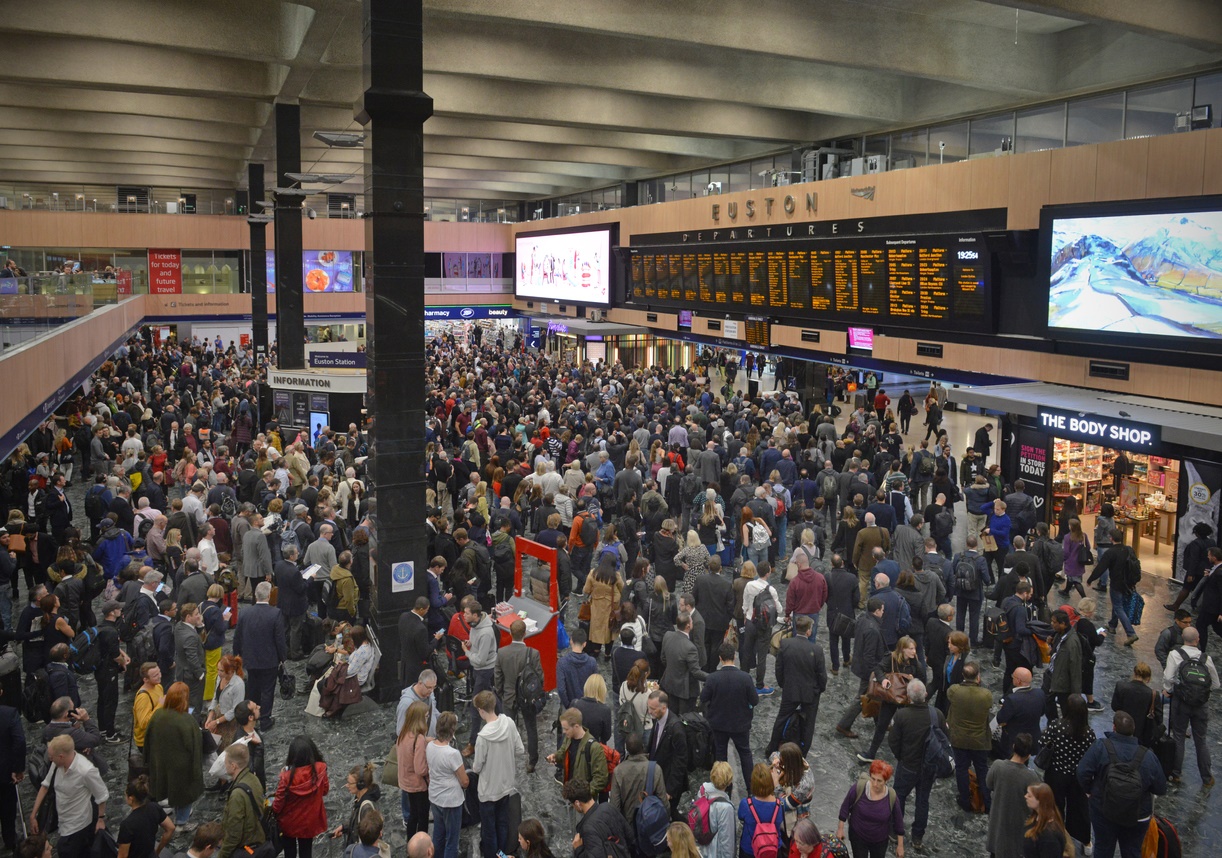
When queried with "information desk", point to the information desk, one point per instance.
{"points": [[546, 617]]}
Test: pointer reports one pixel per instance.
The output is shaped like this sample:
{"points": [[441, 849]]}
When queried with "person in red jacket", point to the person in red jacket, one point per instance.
{"points": [[298, 804], [807, 593]]}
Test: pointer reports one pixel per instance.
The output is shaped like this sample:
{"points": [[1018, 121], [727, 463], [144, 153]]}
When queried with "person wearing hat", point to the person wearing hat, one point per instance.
{"points": [[113, 663]]}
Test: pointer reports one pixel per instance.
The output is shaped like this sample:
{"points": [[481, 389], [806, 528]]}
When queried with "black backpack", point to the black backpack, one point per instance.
{"points": [[1123, 788], [229, 505], [1192, 681], [94, 507], [531, 694], [589, 531], [129, 621], [146, 524], [764, 610], [84, 654], [699, 741], [967, 578], [95, 579], [939, 757], [1132, 568], [36, 697], [943, 524]]}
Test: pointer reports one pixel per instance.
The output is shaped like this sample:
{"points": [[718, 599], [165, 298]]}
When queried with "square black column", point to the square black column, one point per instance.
{"points": [[258, 266], [290, 303]]}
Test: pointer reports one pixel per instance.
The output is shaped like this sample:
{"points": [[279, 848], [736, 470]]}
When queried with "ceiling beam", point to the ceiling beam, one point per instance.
{"points": [[127, 142], [224, 111], [33, 119], [1189, 22]]}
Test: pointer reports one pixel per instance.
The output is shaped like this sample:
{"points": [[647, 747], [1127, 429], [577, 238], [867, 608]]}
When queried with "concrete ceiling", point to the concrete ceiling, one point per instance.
{"points": [[536, 98]]}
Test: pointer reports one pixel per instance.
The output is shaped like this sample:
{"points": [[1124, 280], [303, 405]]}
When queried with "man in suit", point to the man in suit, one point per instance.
{"points": [[189, 654], [668, 747], [681, 665], [937, 644], [12, 770], [511, 663], [294, 599], [261, 641], [868, 651], [415, 642], [714, 597], [687, 605], [256, 556], [729, 697], [802, 675], [58, 509], [1022, 710]]}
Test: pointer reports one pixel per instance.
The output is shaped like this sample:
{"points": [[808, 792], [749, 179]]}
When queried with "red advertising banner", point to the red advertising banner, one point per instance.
{"points": [[123, 279], [165, 272], [244, 340]]}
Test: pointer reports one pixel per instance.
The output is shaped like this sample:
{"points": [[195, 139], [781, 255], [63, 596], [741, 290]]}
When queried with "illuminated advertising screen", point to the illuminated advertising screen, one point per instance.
{"points": [[861, 338], [1152, 274], [567, 267], [321, 270]]}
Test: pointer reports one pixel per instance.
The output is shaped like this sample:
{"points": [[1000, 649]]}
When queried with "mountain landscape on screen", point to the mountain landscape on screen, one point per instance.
{"points": [[1141, 274]]}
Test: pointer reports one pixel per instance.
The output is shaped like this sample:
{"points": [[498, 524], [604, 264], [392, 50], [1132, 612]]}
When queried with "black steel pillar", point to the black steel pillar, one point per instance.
{"points": [[258, 266], [395, 109], [290, 303]]}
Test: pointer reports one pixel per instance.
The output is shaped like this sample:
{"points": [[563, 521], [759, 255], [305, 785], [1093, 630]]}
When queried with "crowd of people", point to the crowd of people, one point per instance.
{"points": [[702, 538]]}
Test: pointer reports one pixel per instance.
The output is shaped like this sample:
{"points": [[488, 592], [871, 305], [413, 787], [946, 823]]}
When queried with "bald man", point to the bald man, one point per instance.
{"points": [[868, 538], [1021, 711], [420, 846]]}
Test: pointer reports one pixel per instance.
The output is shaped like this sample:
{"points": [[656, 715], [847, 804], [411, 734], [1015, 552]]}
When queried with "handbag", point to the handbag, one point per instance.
{"points": [[842, 624], [583, 613], [390, 768], [48, 814], [894, 692], [288, 684], [1134, 606], [870, 707], [1084, 555], [104, 845]]}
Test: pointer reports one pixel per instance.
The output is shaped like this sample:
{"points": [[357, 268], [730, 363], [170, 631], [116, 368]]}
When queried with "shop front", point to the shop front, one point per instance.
{"points": [[1079, 451]]}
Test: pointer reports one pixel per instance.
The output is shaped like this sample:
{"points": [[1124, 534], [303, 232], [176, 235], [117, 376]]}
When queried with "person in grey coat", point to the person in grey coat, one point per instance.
{"points": [[907, 542], [631, 775], [256, 557], [707, 465], [189, 655], [868, 651], [681, 663]]}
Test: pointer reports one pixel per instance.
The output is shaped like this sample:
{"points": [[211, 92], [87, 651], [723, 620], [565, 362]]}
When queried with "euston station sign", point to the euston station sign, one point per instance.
{"points": [[1102, 430]]}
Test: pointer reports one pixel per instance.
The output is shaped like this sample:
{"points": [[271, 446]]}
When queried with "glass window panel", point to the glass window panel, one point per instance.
{"points": [[1095, 120], [908, 149], [1151, 111], [992, 133], [722, 175], [879, 145], [1209, 91], [761, 165], [740, 177], [955, 138], [1040, 128]]}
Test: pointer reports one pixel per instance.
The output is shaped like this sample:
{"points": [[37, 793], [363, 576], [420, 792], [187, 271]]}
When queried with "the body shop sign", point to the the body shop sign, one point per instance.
{"points": [[165, 272]]}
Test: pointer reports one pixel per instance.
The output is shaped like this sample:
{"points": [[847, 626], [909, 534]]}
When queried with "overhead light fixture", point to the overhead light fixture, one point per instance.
{"points": [[320, 178], [340, 139], [290, 192]]}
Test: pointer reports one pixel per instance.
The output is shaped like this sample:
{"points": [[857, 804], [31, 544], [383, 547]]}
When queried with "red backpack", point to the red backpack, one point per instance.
{"points": [[766, 839], [698, 817]]}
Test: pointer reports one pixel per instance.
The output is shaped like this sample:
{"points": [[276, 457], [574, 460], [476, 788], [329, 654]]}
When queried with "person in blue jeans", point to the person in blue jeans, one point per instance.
{"points": [[1113, 559], [1119, 745], [447, 784]]}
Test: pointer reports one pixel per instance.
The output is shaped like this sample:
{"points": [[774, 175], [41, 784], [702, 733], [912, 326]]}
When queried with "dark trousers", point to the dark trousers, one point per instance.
{"points": [[1198, 716], [742, 744], [907, 780], [1109, 835], [298, 847], [1204, 623], [808, 711], [8, 814], [881, 723], [494, 827], [864, 849], [294, 635], [854, 707], [108, 700], [79, 843], [261, 688], [483, 680], [841, 646], [530, 720], [712, 640], [968, 609], [753, 653], [415, 807], [979, 760]]}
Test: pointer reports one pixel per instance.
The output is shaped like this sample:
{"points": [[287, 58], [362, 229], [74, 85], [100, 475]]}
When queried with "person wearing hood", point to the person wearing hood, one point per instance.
{"points": [[806, 594], [112, 548], [480, 647], [574, 669], [298, 798], [346, 591], [497, 748]]}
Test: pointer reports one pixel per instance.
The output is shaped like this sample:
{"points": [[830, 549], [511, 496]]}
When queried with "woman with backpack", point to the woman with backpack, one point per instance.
{"points": [[763, 818], [755, 537], [298, 798], [715, 825], [874, 815]]}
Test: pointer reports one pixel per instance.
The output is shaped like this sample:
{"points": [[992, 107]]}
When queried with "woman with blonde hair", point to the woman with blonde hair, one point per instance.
{"points": [[595, 713], [722, 819], [681, 842], [413, 768], [693, 558], [230, 691]]}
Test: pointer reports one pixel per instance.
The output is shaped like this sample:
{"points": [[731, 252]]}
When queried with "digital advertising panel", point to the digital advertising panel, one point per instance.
{"points": [[568, 267]]}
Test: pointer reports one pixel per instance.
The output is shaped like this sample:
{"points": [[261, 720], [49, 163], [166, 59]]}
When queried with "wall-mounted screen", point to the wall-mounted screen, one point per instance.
{"points": [[321, 270], [758, 334], [685, 318], [568, 267], [1153, 273], [926, 281], [861, 338]]}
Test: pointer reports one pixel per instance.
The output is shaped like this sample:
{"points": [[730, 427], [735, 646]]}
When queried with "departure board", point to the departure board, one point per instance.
{"points": [[759, 333], [924, 281]]}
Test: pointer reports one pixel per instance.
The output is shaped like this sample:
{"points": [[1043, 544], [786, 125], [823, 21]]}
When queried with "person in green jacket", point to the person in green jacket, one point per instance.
{"points": [[968, 730], [242, 820], [346, 591], [580, 756], [174, 751]]}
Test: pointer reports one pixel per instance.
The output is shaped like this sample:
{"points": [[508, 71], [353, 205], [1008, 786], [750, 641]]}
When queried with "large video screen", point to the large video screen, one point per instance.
{"points": [[321, 270], [927, 281], [1148, 274], [569, 267]]}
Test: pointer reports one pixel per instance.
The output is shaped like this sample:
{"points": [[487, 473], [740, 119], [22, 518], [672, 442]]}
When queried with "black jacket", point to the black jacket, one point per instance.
{"points": [[1136, 698], [868, 646], [292, 600], [12, 743], [595, 717], [800, 670], [671, 754], [729, 698], [602, 824], [260, 638], [415, 646], [1021, 713], [714, 594], [909, 732]]}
